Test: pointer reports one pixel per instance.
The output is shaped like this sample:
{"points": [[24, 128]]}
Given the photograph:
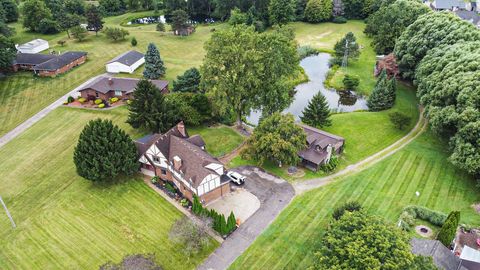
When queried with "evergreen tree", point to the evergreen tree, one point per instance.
{"points": [[381, 98], [134, 42], [149, 109], [353, 48], [223, 225], [188, 82], [338, 9], [7, 52], [10, 9], [281, 11], [154, 67], [392, 90], [449, 228], [104, 151], [317, 112], [231, 222], [94, 19]]}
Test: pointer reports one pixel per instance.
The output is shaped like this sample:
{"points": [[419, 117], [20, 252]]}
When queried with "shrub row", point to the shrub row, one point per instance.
{"points": [[220, 224], [412, 212]]}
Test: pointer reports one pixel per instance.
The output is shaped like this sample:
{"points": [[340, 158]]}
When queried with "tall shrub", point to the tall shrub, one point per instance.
{"points": [[449, 228], [154, 67]]}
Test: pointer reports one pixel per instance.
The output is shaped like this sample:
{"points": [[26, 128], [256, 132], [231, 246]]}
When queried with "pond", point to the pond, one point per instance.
{"points": [[316, 68], [147, 20]]}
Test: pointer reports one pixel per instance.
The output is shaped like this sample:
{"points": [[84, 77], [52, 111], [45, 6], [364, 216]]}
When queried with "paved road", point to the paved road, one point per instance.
{"points": [[41, 114], [303, 186], [274, 195]]}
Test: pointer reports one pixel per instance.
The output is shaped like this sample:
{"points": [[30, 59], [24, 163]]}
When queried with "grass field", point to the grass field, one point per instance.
{"points": [[219, 140], [365, 133], [67, 222], [383, 190], [324, 36], [22, 95]]}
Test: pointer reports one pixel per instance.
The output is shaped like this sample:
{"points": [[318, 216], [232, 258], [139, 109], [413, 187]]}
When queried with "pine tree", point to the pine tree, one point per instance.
{"points": [[188, 82], [154, 67], [149, 109], [223, 225], [104, 151], [231, 222], [380, 99], [392, 91], [317, 112], [449, 228]]}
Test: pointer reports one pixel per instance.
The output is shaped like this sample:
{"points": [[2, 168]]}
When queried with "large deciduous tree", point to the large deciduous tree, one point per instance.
{"points": [[7, 52], [245, 70], [318, 11], [154, 67], [94, 19], [281, 11], [149, 109], [33, 12], [277, 138], [388, 23], [317, 112], [448, 80], [427, 32], [104, 151], [360, 241]]}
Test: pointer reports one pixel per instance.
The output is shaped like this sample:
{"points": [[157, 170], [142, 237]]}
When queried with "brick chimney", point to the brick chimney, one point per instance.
{"points": [[110, 81], [177, 163], [181, 129]]}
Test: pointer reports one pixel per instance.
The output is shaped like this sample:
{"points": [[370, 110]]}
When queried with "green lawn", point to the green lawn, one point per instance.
{"points": [[67, 222], [324, 36], [22, 95], [220, 140], [365, 133], [383, 190]]}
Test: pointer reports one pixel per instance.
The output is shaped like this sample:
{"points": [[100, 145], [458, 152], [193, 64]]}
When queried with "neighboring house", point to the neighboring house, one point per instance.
{"points": [[27, 61], [442, 256], [321, 146], [177, 158], [48, 65], [470, 16], [107, 87], [449, 4], [60, 64], [34, 46], [126, 62]]}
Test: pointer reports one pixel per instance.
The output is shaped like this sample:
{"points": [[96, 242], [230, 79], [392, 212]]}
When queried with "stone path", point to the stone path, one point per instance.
{"points": [[41, 114]]}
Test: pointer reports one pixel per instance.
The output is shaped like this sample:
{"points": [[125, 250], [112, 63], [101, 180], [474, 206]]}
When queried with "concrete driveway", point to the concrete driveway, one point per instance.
{"points": [[241, 202], [274, 195]]}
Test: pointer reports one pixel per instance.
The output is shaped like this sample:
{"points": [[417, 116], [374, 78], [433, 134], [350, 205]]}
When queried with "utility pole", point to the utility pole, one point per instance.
{"points": [[8, 213]]}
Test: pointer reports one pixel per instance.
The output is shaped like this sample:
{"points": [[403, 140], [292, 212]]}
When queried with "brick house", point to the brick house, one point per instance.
{"points": [[107, 87], [321, 145], [60, 64], [48, 65], [177, 158]]}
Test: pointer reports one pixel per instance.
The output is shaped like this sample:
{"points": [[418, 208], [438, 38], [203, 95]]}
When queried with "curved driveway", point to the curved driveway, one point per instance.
{"points": [[274, 195]]}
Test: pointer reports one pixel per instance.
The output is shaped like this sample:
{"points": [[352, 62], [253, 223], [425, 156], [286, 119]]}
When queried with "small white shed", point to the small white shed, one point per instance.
{"points": [[127, 62], [34, 46]]}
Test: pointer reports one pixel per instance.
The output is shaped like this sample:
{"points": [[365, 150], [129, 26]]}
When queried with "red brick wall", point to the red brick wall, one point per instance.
{"points": [[216, 193], [53, 73]]}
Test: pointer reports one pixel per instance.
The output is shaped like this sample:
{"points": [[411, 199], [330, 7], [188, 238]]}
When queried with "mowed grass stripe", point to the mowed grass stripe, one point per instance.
{"points": [[66, 222], [384, 189]]}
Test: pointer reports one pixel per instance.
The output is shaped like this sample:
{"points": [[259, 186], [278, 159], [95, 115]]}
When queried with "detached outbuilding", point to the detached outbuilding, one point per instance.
{"points": [[34, 46], [127, 62]]}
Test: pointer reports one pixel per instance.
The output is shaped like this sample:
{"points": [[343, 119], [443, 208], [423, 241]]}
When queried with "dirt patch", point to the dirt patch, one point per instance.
{"points": [[424, 231]]}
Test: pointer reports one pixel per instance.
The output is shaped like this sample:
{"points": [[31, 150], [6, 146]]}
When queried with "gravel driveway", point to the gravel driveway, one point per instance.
{"points": [[274, 195]]}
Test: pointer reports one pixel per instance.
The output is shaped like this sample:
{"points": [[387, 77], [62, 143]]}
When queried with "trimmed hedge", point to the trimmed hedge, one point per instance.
{"points": [[412, 212]]}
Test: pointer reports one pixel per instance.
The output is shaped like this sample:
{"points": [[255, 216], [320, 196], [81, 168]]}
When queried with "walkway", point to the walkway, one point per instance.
{"points": [[41, 114], [274, 195], [419, 128]]}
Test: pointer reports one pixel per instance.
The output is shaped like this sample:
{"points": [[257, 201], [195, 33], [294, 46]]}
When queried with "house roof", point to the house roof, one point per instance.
{"points": [[60, 61], [175, 144], [32, 58], [32, 44], [470, 16], [105, 84], [449, 4], [317, 141], [442, 256], [127, 58]]}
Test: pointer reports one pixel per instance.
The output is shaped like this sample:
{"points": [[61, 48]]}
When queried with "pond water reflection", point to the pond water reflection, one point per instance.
{"points": [[316, 68]]}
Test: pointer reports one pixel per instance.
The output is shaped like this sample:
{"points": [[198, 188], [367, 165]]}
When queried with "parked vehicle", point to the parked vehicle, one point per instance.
{"points": [[236, 177]]}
